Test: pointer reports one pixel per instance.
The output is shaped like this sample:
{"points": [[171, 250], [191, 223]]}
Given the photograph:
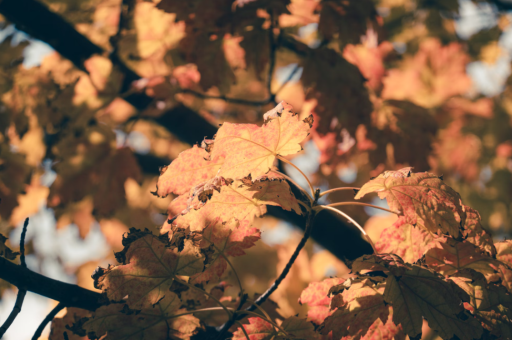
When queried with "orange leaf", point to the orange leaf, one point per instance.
{"points": [[405, 240], [259, 329], [361, 313], [316, 296], [191, 168], [422, 198], [148, 269], [240, 201], [475, 233], [251, 150], [228, 239]]}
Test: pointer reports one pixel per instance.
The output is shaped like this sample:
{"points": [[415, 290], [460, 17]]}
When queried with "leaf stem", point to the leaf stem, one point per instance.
{"points": [[267, 319], [207, 294], [339, 204], [47, 320], [221, 253], [243, 329], [296, 167], [338, 189], [260, 300], [321, 207], [294, 183]]}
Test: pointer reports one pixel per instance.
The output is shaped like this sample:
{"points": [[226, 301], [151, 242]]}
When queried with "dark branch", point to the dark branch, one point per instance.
{"points": [[230, 100], [47, 320], [22, 243], [225, 327], [15, 311], [22, 290], [502, 5], [272, 57], [68, 294]]}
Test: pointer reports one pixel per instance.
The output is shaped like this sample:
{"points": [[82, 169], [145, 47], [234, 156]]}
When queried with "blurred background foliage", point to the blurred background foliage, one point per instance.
{"points": [[391, 83]]}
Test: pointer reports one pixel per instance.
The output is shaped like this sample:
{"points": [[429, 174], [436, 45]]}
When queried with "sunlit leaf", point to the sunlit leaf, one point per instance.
{"points": [[240, 201], [422, 198], [405, 240], [189, 169], [251, 150], [316, 296]]}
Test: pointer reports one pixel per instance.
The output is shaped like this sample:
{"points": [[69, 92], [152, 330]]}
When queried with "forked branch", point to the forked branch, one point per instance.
{"points": [[22, 291]]}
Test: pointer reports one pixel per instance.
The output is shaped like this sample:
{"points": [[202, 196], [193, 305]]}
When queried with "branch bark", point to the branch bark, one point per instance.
{"points": [[69, 294]]}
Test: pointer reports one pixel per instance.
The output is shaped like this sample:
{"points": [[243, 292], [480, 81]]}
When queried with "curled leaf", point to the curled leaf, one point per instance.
{"points": [[6, 251], [240, 201]]}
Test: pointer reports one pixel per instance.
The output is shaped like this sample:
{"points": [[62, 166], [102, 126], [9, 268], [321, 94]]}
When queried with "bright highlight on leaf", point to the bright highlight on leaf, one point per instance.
{"points": [[250, 150], [422, 198]]}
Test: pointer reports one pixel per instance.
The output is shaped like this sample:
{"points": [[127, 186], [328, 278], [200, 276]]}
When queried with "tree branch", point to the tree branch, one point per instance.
{"points": [[69, 294], [22, 291], [225, 327], [47, 320]]}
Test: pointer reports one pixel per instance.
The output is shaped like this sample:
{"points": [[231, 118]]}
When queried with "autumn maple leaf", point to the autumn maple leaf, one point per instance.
{"points": [[422, 198], [251, 150]]}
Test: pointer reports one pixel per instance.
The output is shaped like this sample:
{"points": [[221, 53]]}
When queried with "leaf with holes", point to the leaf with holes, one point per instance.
{"points": [[148, 269], [422, 198], [238, 200], [251, 150], [475, 233], [490, 303], [6, 251]]}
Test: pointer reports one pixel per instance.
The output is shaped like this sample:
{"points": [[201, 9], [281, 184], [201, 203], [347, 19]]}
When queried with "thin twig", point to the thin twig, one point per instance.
{"points": [[273, 48], [207, 294], [339, 204], [22, 291], [260, 300], [297, 168], [22, 243], [243, 329], [338, 189], [15, 311], [47, 320], [294, 183], [321, 207], [267, 319], [228, 99], [290, 77], [284, 273]]}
